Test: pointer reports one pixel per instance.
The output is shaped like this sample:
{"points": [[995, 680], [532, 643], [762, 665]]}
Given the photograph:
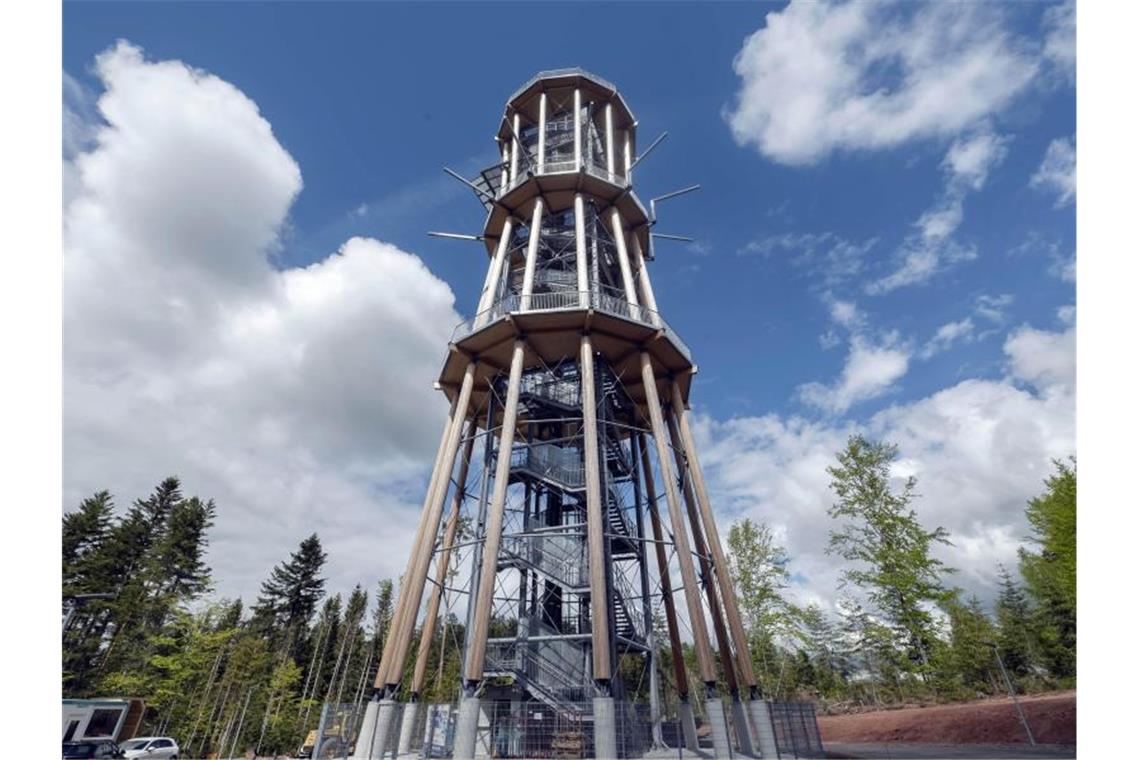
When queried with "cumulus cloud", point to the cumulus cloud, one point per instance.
{"points": [[819, 78], [946, 336], [1046, 360], [932, 247], [870, 370], [1057, 173], [1060, 23], [825, 256], [979, 449], [300, 399]]}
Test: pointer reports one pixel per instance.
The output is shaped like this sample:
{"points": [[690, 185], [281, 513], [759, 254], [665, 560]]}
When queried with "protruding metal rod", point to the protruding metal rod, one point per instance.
{"points": [[454, 235], [470, 184], [663, 236], [648, 150], [654, 201]]}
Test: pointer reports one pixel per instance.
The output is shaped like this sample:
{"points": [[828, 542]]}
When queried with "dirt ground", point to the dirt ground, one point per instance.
{"points": [[1052, 718]]}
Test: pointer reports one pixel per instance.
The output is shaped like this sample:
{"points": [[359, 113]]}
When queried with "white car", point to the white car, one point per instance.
{"points": [[150, 748]]}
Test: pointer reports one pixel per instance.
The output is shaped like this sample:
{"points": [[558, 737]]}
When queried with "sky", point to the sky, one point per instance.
{"points": [[884, 243]]}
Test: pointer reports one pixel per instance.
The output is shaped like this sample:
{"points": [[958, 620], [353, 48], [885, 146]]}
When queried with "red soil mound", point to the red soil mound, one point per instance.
{"points": [[1052, 718]]}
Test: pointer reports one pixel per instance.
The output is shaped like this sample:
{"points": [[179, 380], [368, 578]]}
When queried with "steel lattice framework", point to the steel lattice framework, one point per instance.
{"points": [[568, 428]]}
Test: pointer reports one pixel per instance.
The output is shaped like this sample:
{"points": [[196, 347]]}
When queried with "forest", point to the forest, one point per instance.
{"points": [[216, 673]]}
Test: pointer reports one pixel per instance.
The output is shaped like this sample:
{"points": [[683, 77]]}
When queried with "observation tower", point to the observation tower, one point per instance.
{"points": [[566, 497]]}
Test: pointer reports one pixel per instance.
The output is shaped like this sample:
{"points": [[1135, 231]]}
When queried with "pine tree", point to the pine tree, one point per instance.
{"points": [[84, 531], [1050, 571], [968, 661], [882, 534]]}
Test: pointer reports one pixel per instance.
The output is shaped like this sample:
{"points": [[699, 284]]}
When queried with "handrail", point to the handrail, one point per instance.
{"points": [[568, 300]]}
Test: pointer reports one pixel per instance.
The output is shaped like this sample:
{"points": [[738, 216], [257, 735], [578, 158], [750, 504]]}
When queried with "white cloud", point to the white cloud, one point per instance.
{"points": [[947, 335], [1047, 360], [1058, 171], [993, 307], [979, 449], [300, 399], [870, 371], [823, 255], [821, 77], [1060, 24], [932, 247]]}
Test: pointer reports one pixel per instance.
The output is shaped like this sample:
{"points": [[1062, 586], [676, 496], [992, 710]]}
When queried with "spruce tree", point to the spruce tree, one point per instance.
{"points": [[1015, 629], [290, 595], [1050, 568]]}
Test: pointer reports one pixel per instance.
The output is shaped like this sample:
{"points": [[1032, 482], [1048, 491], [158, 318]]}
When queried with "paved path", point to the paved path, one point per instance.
{"points": [[906, 751]]}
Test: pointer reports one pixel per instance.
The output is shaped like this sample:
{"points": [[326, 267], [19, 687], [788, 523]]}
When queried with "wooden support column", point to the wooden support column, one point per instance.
{"points": [[680, 535], [580, 251], [414, 583], [577, 130], [443, 565], [401, 599], [531, 254], [515, 148], [595, 523], [647, 296], [494, 271], [731, 608], [724, 647], [477, 648], [541, 133], [618, 231], [679, 672], [611, 158]]}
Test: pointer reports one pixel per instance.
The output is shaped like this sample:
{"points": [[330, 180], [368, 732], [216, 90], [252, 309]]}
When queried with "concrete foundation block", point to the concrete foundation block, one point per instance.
{"points": [[718, 726], [387, 711], [408, 727], [605, 728], [367, 729], [765, 731], [743, 732], [466, 726], [688, 726]]}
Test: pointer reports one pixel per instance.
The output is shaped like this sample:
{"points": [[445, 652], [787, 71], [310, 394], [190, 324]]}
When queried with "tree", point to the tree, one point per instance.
{"points": [[84, 531], [968, 660], [1050, 568], [1016, 632], [759, 572], [290, 595], [882, 534]]}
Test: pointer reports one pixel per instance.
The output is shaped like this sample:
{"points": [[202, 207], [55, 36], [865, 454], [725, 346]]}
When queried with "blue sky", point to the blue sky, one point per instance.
{"points": [[831, 143]]}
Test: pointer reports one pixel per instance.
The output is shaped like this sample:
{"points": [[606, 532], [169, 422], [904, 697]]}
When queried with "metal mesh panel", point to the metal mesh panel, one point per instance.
{"points": [[797, 732]]}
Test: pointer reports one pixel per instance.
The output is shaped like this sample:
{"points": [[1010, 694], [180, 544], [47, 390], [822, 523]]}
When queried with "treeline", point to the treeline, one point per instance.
{"points": [[223, 678], [901, 630], [215, 675]]}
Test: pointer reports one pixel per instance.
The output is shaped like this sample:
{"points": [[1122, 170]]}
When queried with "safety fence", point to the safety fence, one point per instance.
{"points": [[533, 729]]}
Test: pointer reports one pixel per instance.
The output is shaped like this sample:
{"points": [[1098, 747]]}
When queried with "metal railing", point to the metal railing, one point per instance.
{"points": [[568, 300], [551, 462]]}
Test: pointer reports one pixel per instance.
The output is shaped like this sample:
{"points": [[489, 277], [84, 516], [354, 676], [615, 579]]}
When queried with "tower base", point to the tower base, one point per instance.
{"points": [[688, 726], [740, 723], [466, 726], [387, 711], [408, 727], [714, 708], [765, 732], [367, 730], [605, 728]]}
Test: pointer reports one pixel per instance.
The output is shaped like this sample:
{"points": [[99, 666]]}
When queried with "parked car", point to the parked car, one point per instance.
{"points": [[150, 748], [91, 748]]}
